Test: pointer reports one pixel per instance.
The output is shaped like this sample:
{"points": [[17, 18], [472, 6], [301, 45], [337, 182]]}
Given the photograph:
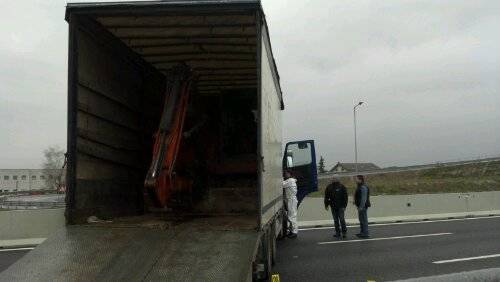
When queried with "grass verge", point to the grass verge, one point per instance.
{"points": [[476, 177]]}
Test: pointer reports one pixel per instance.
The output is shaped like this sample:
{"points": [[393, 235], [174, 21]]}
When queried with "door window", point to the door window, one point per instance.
{"points": [[298, 154]]}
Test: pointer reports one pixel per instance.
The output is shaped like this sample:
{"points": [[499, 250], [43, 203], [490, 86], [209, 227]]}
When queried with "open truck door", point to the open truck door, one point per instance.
{"points": [[300, 159]]}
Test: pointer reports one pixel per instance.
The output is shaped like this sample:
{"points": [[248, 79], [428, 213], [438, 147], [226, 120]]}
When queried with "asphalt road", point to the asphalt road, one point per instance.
{"points": [[8, 257], [419, 249]]}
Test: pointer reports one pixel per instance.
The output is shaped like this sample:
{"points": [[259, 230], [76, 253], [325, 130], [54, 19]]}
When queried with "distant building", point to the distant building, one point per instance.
{"points": [[351, 167], [18, 180]]}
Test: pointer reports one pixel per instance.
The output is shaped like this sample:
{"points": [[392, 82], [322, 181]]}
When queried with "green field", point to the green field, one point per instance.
{"points": [[462, 178]]}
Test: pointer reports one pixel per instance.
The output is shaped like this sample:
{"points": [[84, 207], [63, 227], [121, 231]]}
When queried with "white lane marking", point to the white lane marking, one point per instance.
{"points": [[16, 249], [403, 223], [384, 238], [466, 259]]}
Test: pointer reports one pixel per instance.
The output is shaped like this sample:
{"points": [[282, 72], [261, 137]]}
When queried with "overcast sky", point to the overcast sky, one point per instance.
{"points": [[428, 71]]}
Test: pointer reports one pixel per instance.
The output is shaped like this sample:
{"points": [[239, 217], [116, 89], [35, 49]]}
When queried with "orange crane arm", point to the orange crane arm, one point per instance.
{"points": [[160, 180]]}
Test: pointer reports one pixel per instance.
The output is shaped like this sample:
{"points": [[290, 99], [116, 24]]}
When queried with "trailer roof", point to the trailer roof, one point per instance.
{"points": [[217, 38], [169, 4]]}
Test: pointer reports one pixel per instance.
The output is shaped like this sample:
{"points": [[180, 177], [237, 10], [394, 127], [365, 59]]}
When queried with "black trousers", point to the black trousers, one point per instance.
{"points": [[339, 220]]}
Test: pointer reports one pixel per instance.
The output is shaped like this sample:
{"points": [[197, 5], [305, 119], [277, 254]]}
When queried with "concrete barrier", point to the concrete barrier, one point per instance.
{"points": [[399, 207], [40, 223], [21, 224]]}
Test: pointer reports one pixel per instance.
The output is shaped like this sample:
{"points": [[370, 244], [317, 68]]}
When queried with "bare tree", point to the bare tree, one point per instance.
{"points": [[53, 167]]}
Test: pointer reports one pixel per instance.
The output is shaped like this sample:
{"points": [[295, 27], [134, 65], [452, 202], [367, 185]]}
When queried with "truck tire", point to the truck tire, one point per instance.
{"points": [[262, 272], [272, 244], [269, 256], [284, 229]]}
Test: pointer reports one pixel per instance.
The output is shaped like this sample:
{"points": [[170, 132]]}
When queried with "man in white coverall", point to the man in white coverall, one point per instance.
{"points": [[290, 187]]}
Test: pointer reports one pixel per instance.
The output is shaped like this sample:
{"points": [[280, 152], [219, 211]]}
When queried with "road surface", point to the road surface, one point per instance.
{"points": [[396, 251], [9, 256]]}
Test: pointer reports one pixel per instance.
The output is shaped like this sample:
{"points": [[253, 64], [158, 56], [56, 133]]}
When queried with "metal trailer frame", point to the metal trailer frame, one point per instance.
{"points": [[79, 16]]}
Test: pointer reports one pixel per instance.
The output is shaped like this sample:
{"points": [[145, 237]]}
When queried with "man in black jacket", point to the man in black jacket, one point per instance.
{"points": [[336, 198]]}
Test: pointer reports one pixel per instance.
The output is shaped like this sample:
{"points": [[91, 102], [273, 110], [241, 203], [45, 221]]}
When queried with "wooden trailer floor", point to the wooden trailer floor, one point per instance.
{"points": [[206, 249]]}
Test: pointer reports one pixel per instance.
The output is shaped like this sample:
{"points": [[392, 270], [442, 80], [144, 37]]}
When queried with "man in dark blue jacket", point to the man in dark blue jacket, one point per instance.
{"points": [[336, 198], [362, 202]]}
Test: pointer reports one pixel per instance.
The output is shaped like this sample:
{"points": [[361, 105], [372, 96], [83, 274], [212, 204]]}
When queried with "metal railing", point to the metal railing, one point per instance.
{"points": [[408, 168], [24, 205]]}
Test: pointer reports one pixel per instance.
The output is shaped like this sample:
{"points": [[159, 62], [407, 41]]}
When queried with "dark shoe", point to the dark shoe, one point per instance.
{"points": [[344, 235], [336, 235], [292, 235], [361, 236]]}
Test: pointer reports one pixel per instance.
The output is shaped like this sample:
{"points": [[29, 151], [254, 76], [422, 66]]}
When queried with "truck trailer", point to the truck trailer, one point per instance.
{"points": [[222, 211]]}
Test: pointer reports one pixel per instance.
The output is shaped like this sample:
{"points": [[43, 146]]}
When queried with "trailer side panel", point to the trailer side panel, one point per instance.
{"points": [[271, 133]]}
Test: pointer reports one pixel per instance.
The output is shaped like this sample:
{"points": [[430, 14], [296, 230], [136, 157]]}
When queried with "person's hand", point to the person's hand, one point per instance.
{"points": [[326, 207], [361, 209]]}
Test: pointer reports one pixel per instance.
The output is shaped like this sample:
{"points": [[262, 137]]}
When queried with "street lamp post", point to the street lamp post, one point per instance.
{"points": [[356, 137]]}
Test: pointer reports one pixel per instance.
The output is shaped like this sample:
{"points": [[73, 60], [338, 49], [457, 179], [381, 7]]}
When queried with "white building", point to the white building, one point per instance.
{"points": [[17, 180], [351, 167]]}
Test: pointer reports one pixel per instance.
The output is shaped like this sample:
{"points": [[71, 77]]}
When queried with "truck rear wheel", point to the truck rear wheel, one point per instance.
{"points": [[269, 256], [263, 262], [272, 244], [284, 225]]}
